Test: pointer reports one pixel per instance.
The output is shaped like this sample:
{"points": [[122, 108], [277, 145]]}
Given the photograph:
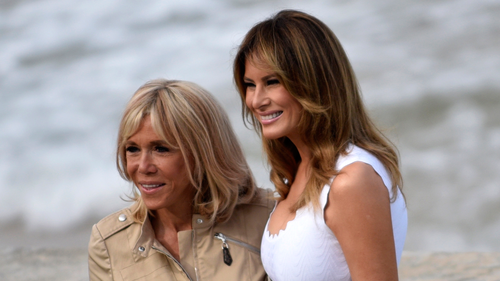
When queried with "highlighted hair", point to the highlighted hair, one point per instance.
{"points": [[313, 67], [188, 118]]}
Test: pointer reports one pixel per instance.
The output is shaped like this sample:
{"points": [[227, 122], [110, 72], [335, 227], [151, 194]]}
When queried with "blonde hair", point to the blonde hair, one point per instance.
{"points": [[187, 117], [313, 67]]}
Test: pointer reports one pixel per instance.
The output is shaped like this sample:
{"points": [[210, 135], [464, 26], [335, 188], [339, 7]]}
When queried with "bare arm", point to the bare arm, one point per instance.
{"points": [[358, 212]]}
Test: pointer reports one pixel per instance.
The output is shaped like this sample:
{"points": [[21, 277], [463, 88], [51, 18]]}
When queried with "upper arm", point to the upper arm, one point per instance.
{"points": [[358, 212], [99, 262]]}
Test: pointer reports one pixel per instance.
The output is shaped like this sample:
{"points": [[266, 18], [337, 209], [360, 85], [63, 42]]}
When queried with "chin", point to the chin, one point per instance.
{"points": [[272, 135], [153, 206]]}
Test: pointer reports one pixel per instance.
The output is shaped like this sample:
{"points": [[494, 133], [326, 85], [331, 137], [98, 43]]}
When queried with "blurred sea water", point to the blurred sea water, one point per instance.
{"points": [[429, 71]]}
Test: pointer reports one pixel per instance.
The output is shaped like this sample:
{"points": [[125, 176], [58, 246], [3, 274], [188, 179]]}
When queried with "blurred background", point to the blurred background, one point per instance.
{"points": [[429, 71]]}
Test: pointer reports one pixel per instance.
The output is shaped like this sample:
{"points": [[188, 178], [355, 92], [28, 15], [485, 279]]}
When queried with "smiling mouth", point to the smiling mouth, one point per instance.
{"points": [[272, 116], [151, 186]]}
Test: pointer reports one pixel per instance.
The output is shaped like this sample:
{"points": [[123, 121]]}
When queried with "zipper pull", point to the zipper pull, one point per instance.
{"points": [[226, 256]]}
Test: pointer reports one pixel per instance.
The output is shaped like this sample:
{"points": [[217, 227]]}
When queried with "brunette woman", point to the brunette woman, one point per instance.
{"points": [[341, 214]]}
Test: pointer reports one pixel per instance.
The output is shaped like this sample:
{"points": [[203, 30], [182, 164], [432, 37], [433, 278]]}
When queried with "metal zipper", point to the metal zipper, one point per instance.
{"points": [[195, 254], [224, 238], [177, 262]]}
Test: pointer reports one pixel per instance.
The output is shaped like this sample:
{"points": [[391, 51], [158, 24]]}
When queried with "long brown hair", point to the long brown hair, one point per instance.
{"points": [[311, 64], [187, 117]]}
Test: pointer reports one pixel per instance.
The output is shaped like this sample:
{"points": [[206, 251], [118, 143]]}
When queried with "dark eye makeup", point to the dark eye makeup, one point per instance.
{"points": [[273, 82], [249, 85], [131, 149], [161, 148]]}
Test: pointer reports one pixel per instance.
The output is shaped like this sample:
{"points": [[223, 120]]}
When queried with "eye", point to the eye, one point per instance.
{"points": [[131, 149], [249, 85], [161, 149], [272, 82]]}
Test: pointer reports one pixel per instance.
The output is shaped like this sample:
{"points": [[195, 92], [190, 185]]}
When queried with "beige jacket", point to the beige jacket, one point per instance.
{"points": [[121, 249]]}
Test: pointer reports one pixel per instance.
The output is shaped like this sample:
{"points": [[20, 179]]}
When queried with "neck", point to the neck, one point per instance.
{"points": [[168, 224], [303, 149], [302, 175], [164, 219]]}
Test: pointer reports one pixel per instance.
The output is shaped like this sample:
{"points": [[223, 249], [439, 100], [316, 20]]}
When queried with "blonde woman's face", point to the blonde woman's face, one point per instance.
{"points": [[277, 111], [158, 171]]}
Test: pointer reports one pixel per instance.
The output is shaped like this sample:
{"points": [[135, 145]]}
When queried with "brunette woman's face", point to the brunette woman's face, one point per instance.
{"points": [[158, 171], [277, 111]]}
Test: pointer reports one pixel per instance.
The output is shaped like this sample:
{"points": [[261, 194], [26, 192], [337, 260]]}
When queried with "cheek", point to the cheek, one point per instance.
{"points": [[177, 168], [248, 99], [298, 109], [293, 104], [130, 168]]}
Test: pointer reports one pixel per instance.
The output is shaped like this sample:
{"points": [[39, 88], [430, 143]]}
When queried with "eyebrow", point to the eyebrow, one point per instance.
{"points": [[246, 79], [129, 142], [159, 142], [155, 142]]}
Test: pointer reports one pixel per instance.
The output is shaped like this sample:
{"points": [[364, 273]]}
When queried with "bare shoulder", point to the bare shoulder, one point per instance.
{"points": [[357, 190], [358, 213], [358, 179]]}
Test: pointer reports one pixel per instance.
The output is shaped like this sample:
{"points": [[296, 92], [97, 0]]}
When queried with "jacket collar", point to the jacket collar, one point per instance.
{"points": [[147, 240]]}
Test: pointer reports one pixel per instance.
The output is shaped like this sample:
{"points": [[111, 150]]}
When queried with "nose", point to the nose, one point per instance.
{"points": [[257, 98], [146, 164]]}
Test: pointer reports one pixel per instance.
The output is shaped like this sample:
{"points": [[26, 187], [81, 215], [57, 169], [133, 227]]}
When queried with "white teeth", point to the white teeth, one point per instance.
{"points": [[150, 185], [271, 116]]}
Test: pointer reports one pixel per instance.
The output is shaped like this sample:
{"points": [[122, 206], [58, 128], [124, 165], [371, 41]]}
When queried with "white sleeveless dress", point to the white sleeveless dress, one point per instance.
{"points": [[308, 250]]}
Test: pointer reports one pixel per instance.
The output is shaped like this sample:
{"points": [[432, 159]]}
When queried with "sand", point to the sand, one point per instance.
{"points": [[23, 264]]}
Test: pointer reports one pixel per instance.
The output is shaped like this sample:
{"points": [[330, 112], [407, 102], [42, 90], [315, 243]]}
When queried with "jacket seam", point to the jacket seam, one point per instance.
{"points": [[113, 217], [107, 252]]}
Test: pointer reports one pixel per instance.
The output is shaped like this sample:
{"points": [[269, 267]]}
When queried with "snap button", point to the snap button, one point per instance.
{"points": [[199, 221], [141, 249], [122, 218]]}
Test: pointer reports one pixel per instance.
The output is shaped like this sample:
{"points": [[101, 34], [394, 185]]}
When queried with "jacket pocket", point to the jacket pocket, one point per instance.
{"points": [[154, 267], [225, 239]]}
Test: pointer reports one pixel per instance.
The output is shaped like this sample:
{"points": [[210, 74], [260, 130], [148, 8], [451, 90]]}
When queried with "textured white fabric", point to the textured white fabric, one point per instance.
{"points": [[308, 250]]}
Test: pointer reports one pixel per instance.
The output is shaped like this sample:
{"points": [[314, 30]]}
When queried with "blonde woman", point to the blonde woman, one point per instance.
{"points": [[197, 213], [341, 214]]}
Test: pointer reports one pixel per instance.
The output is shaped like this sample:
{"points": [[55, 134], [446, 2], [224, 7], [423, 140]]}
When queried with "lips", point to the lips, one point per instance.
{"points": [[266, 119], [271, 116], [149, 188]]}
